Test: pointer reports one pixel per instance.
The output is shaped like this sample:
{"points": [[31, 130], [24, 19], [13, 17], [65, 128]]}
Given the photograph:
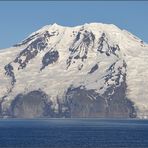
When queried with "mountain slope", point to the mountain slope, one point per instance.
{"points": [[93, 70]]}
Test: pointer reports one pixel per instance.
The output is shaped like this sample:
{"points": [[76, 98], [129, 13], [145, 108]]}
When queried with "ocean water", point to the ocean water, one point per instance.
{"points": [[73, 133]]}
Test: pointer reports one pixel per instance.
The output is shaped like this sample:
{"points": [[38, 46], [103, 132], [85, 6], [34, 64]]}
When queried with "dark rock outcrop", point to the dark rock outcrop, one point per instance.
{"points": [[84, 103], [31, 105], [9, 72], [87, 103], [103, 42], [94, 68], [80, 51], [49, 58]]}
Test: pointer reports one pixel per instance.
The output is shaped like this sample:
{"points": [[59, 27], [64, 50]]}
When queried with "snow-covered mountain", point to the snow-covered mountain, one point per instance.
{"points": [[93, 70]]}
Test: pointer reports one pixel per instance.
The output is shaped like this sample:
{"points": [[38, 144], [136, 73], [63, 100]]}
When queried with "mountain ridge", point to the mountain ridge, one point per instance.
{"points": [[82, 71]]}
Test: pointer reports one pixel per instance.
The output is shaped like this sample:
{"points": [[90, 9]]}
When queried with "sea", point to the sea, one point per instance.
{"points": [[73, 133]]}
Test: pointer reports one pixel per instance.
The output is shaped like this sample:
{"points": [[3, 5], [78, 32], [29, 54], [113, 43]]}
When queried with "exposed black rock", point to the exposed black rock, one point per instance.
{"points": [[46, 34], [94, 68], [2, 99], [103, 41], [32, 49], [80, 66], [30, 52], [39, 44], [88, 103], [26, 40], [113, 103], [111, 68], [118, 74], [31, 105], [85, 103], [80, 51], [9, 72], [118, 104], [49, 58]]}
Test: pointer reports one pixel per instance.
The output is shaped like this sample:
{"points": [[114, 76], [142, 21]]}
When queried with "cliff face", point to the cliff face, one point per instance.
{"points": [[94, 70]]}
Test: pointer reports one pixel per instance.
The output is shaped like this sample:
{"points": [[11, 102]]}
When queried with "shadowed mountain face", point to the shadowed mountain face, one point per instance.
{"points": [[88, 103], [69, 72], [78, 103], [31, 105]]}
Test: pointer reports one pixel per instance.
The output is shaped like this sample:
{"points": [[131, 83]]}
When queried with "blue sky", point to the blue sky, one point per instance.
{"points": [[19, 19]]}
